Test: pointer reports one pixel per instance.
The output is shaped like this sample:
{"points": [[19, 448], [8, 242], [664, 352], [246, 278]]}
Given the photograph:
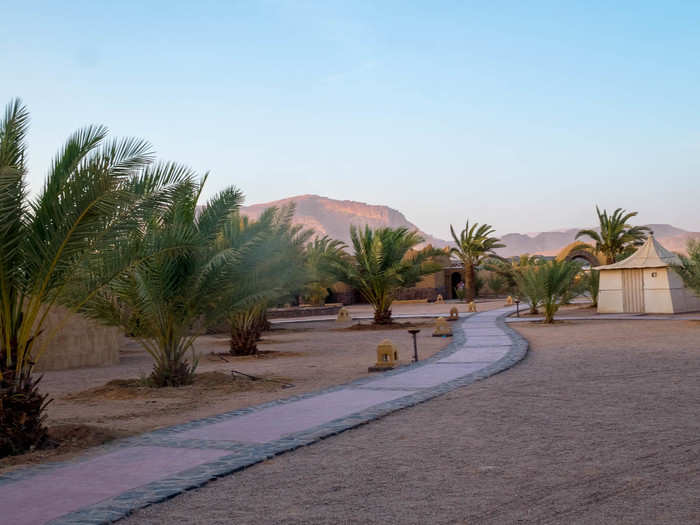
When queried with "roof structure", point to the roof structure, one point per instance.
{"points": [[650, 255]]}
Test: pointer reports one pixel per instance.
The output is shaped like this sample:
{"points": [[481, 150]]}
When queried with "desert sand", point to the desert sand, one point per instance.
{"points": [[599, 424]]}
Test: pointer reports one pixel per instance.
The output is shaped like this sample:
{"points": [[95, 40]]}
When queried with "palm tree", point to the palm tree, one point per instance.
{"points": [[320, 255], [383, 262], [616, 236], [178, 282], [528, 284], [272, 268], [690, 269], [496, 284], [549, 283], [507, 268], [473, 245], [592, 284], [91, 197]]}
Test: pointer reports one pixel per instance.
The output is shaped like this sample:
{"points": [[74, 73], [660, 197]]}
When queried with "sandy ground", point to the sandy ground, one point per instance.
{"points": [[308, 356], [599, 424]]}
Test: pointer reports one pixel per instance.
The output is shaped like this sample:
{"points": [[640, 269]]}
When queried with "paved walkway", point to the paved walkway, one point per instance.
{"points": [[111, 481]]}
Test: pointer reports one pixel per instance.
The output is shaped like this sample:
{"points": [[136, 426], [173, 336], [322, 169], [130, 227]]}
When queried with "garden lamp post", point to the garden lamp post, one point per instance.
{"points": [[517, 307], [413, 332]]}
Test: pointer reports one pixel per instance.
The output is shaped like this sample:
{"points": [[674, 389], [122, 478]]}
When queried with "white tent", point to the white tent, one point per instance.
{"points": [[645, 282]]}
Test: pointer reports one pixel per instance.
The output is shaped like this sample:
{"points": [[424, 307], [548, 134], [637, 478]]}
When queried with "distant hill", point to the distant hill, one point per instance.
{"points": [[333, 218], [550, 243]]}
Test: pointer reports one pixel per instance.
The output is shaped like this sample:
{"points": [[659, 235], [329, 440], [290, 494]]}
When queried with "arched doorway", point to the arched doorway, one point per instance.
{"points": [[455, 279], [584, 257]]}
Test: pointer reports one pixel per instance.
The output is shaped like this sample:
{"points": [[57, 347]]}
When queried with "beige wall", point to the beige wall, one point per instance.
{"points": [[80, 342], [610, 292], [657, 291]]}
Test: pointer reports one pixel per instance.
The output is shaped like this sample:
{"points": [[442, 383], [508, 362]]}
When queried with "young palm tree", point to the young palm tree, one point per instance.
{"points": [[178, 281], [320, 255], [93, 191], [550, 282], [507, 268], [528, 284], [591, 281], [616, 236], [382, 263], [474, 245], [272, 268], [496, 284], [690, 270]]}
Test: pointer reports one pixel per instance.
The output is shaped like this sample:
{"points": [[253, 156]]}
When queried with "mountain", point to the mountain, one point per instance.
{"points": [[550, 243], [333, 217]]}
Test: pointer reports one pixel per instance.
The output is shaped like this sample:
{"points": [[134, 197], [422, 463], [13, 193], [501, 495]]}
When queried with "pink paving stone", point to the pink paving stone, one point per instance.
{"points": [[57, 492], [426, 376], [488, 340], [483, 331], [275, 422], [472, 355]]}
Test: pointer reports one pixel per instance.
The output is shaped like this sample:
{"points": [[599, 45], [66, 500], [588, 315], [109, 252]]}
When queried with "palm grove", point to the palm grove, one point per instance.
{"points": [[120, 237]]}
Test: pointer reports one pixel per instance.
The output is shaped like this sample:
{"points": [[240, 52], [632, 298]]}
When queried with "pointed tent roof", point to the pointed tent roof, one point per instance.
{"points": [[650, 255]]}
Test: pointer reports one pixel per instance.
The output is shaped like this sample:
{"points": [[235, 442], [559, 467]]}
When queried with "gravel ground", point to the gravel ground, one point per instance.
{"points": [[599, 424]]}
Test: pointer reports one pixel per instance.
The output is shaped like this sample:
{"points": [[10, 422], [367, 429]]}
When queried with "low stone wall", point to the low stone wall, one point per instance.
{"points": [[80, 342], [427, 294], [303, 311]]}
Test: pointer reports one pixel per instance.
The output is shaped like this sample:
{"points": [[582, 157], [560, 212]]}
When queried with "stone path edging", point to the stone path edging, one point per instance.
{"points": [[231, 456]]}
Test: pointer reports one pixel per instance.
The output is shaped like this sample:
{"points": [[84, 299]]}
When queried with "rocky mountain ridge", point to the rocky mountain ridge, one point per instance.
{"points": [[333, 218]]}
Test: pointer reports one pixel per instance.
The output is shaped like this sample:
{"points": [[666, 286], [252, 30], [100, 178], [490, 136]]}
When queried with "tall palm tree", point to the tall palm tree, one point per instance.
{"points": [[473, 245], [178, 281], [616, 235], [383, 262], [94, 190]]}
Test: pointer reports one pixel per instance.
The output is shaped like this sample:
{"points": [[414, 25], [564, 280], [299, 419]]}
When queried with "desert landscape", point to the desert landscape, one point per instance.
{"points": [[349, 262], [598, 424]]}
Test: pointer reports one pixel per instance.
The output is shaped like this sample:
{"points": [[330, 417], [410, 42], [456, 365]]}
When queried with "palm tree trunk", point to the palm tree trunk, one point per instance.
{"points": [[549, 313], [469, 282], [22, 410], [244, 341], [382, 316]]}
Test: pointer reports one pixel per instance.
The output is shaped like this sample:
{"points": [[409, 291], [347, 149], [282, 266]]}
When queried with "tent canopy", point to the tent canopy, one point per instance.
{"points": [[650, 255]]}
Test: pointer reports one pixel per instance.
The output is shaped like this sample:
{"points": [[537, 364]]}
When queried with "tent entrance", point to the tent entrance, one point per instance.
{"points": [[633, 291]]}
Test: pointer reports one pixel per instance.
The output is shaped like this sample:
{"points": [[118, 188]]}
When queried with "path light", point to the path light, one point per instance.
{"points": [[413, 332], [517, 307], [387, 357]]}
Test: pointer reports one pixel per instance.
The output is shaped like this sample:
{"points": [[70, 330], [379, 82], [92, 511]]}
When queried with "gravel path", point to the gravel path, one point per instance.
{"points": [[599, 424]]}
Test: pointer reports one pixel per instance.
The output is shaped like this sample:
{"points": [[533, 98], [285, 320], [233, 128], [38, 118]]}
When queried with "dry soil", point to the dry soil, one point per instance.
{"points": [[599, 424]]}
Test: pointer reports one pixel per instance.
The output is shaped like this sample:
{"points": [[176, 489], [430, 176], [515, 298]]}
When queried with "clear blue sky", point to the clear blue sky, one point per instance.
{"points": [[520, 114]]}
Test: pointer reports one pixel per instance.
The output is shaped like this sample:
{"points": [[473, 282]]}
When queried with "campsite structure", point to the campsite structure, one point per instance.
{"points": [[645, 282]]}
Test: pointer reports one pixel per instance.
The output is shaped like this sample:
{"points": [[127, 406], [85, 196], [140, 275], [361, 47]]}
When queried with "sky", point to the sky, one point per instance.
{"points": [[524, 115]]}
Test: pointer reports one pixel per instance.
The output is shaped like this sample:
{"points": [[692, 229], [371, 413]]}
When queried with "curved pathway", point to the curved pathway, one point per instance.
{"points": [[112, 481]]}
